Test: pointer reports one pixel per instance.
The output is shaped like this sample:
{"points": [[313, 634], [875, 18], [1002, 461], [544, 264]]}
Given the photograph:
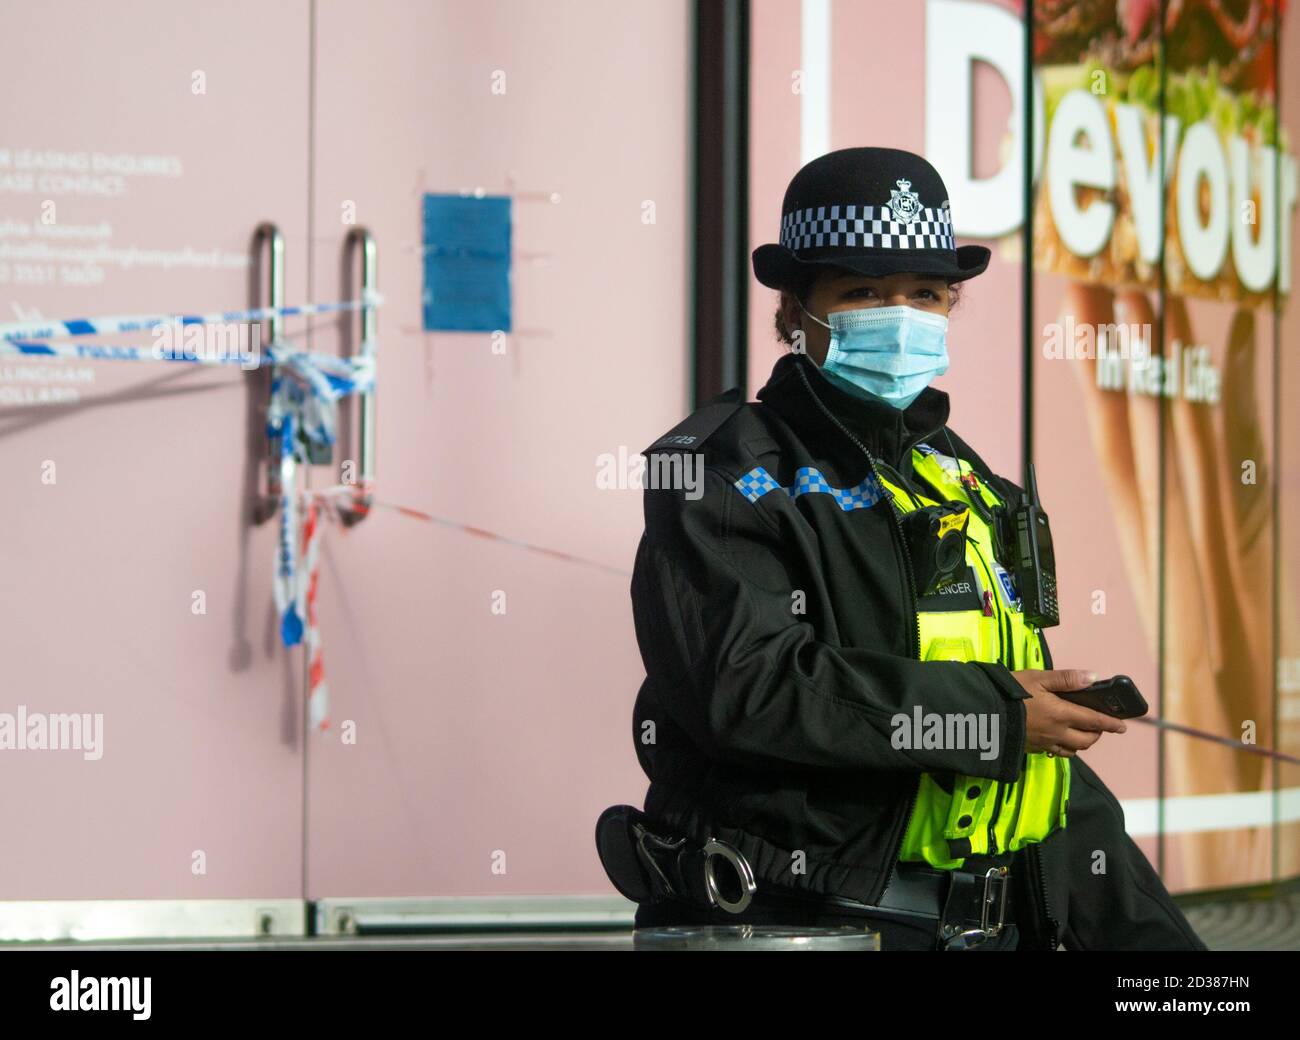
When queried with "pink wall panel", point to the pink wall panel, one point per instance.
{"points": [[480, 733], [201, 751]]}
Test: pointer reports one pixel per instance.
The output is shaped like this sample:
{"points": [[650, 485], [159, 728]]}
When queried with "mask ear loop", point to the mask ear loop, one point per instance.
{"points": [[806, 311]]}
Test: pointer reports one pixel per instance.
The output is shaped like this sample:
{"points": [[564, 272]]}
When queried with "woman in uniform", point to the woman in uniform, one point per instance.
{"points": [[847, 717]]}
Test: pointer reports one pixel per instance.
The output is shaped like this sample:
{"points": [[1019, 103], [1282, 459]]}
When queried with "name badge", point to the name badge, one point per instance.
{"points": [[960, 594]]}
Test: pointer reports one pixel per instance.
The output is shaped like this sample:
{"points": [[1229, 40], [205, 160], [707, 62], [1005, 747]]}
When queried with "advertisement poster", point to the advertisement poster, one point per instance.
{"points": [[1164, 223]]}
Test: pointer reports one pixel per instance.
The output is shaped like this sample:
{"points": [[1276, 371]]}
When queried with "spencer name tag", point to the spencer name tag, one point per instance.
{"points": [[960, 594]]}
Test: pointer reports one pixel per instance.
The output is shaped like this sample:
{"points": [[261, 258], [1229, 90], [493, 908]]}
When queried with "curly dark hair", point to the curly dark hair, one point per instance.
{"points": [[785, 331]]}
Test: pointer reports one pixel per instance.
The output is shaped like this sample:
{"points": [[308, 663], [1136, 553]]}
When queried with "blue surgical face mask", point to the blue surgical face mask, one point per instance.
{"points": [[892, 353]]}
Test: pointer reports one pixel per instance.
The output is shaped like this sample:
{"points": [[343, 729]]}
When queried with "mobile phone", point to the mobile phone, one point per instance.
{"points": [[1116, 697]]}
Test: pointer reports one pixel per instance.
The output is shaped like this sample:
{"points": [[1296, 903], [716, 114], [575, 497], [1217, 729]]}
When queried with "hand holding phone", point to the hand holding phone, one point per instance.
{"points": [[1116, 697], [1055, 724]]}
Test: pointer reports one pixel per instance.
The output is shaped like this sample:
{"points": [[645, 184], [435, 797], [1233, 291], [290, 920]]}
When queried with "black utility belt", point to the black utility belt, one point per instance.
{"points": [[965, 906]]}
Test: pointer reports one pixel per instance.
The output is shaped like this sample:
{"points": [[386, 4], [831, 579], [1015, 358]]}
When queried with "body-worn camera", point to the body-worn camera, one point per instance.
{"points": [[936, 541]]}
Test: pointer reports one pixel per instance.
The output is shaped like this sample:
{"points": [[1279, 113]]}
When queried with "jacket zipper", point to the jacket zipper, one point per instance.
{"points": [[1040, 876], [902, 481], [915, 603]]}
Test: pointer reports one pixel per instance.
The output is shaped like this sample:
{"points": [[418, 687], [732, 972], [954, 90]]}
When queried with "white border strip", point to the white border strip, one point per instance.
{"points": [[336, 916], [108, 920], [815, 66], [1197, 813], [90, 919]]}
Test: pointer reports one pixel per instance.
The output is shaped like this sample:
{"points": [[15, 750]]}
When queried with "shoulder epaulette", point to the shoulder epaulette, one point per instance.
{"points": [[691, 433]]}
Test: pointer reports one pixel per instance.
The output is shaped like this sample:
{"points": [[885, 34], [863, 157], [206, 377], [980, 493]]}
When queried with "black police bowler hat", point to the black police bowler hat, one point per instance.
{"points": [[875, 211]]}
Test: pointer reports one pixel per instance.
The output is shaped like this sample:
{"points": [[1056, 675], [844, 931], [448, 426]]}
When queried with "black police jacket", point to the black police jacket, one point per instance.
{"points": [[780, 637]]}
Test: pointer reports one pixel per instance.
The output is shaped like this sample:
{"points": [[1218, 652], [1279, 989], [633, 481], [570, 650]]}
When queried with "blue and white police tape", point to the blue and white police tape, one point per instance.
{"points": [[47, 329], [326, 376], [303, 411], [104, 352], [311, 384], [305, 391]]}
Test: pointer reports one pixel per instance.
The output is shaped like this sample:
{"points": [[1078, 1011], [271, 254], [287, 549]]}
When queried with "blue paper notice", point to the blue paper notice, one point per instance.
{"points": [[466, 263]]}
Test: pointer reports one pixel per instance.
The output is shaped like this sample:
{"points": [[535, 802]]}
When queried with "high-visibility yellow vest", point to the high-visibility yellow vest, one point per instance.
{"points": [[979, 816]]}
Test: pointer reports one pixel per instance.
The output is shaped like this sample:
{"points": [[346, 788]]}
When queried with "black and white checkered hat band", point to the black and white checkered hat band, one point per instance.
{"points": [[873, 227]]}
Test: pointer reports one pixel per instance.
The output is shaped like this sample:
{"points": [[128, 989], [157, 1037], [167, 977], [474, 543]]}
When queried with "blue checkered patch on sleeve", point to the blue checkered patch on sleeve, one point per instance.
{"points": [[758, 482]]}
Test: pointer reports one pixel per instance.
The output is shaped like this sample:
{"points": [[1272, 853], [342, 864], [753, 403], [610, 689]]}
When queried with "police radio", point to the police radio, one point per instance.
{"points": [[1028, 541]]}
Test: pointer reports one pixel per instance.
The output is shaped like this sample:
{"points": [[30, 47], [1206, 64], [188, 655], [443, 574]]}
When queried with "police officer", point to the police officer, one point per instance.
{"points": [[846, 719]]}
